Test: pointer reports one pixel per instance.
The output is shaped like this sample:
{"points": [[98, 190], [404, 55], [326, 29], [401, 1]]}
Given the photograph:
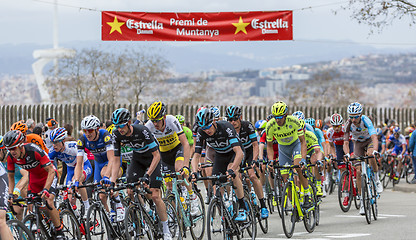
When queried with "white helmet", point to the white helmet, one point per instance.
{"points": [[90, 122], [355, 108], [336, 119]]}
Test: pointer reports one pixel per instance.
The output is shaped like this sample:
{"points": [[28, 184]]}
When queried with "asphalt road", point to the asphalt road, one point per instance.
{"points": [[397, 220]]}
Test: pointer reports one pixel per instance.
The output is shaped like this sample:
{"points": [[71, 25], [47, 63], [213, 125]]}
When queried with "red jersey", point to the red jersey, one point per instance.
{"points": [[336, 137], [275, 145], [34, 161]]}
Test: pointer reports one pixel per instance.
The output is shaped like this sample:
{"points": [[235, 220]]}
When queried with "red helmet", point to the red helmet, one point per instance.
{"points": [[336, 119]]}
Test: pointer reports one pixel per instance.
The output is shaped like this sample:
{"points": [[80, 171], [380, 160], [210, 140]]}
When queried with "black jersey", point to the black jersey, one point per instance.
{"points": [[141, 141], [223, 140], [247, 134]]}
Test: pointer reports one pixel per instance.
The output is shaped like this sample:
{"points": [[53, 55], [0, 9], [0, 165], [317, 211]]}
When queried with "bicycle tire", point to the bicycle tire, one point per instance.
{"points": [[269, 195], [136, 225], [278, 189], [197, 220], [410, 174], [251, 216], [30, 222], [71, 229], [289, 212], [216, 222], [309, 218], [345, 186], [366, 198], [175, 226], [19, 230], [263, 222], [374, 206], [387, 176], [96, 224]]}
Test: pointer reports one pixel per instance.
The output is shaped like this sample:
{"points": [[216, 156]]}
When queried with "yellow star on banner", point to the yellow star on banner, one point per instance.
{"points": [[115, 25], [240, 26]]}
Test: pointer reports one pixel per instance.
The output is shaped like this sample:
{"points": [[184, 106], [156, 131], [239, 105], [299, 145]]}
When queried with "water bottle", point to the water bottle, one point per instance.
{"points": [[229, 206], [183, 202], [76, 211], [148, 210], [112, 216], [253, 196]]}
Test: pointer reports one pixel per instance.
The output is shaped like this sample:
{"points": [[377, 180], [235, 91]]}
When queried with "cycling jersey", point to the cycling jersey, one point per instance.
{"points": [[169, 138], [141, 141], [311, 141], [247, 134], [98, 147], [320, 136], [381, 142], [48, 143], [336, 137], [275, 146], [222, 141], [4, 189], [362, 132], [34, 161], [286, 134], [188, 134], [398, 143], [36, 139]]}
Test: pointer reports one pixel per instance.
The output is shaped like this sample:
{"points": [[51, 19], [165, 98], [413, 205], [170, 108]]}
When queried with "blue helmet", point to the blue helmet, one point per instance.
{"points": [[58, 134], [355, 108], [310, 121], [204, 117], [299, 115], [233, 112], [378, 131], [259, 124], [396, 130], [1, 142], [120, 116], [216, 112]]}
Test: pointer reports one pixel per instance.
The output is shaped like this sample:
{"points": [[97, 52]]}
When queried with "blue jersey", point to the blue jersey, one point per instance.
{"points": [[320, 135], [98, 147]]}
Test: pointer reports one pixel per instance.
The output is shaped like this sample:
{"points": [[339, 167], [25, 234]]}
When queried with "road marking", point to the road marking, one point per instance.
{"points": [[390, 215], [347, 235], [326, 236], [381, 216]]}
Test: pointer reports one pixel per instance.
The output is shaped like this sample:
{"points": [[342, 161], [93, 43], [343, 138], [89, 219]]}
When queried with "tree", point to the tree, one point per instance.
{"points": [[94, 76], [379, 14]]}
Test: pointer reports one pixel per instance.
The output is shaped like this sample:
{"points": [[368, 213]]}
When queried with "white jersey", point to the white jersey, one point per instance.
{"points": [[47, 140], [168, 139], [69, 155]]}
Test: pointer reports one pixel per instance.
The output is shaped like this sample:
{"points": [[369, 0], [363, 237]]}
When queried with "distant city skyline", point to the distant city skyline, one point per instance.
{"points": [[30, 21]]}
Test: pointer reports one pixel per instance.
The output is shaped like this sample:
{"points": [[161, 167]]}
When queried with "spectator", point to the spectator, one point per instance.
{"points": [[38, 130], [69, 128], [30, 125], [102, 126], [108, 123]]}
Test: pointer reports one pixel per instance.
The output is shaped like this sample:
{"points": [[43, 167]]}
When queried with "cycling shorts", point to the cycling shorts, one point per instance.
{"points": [[4, 189], [136, 170], [289, 152], [221, 162], [360, 148], [171, 156], [248, 159], [87, 172]]}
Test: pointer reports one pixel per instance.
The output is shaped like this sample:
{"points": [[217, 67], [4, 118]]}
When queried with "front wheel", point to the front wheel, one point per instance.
{"points": [[71, 228], [19, 230], [198, 221], [374, 200], [96, 224], [366, 198], [345, 192], [137, 227], [310, 216], [217, 227], [289, 212]]}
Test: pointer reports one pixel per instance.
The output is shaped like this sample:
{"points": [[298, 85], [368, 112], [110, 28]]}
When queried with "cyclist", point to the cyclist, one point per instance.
{"points": [[67, 151], [42, 174], [292, 144], [399, 150], [246, 133], [31, 137], [229, 152], [5, 232], [381, 141], [187, 131], [99, 143], [259, 128], [173, 146], [145, 164], [365, 140], [51, 124], [335, 136]]}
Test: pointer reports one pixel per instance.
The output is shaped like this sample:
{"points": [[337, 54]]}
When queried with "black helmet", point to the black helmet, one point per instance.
{"points": [[120, 116], [13, 138], [204, 117], [233, 112]]}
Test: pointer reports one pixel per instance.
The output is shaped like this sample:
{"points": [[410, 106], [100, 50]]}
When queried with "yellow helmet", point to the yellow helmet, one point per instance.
{"points": [[156, 110], [279, 109], [110, 128]]}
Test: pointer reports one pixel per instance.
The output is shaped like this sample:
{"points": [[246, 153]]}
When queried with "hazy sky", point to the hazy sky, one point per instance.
{"points": [[30, 21]]}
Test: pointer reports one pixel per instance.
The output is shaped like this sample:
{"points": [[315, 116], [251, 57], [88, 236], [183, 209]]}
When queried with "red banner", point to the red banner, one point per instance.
{"points": [[222, 26]]}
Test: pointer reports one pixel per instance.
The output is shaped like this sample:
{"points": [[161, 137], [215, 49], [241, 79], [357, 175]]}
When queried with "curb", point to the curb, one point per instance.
{"points": [[410, 188]]}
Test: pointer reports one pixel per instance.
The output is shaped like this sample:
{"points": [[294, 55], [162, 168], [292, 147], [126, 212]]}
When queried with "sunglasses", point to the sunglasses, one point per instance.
{"points": [[279, 117], [120, 126], [354, 117], [206, 127], [13, 148], [156, 120], [56, 142], [88, 130], [233, 119]]}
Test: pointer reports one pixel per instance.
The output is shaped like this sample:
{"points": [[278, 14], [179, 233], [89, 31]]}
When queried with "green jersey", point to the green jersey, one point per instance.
{"points": [[311, 141], [189, 135], [286, 134]]}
